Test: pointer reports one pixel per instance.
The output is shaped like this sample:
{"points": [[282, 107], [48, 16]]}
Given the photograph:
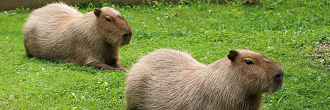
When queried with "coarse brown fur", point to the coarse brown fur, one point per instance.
{"points": [[58, 32], [171, 80]]}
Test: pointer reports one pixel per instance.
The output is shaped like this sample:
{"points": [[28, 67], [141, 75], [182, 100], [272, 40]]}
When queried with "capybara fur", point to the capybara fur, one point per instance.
{"points": [[171, 80], [58, 32]]}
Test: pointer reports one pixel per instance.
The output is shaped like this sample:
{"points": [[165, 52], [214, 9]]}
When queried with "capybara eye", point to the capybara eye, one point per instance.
{"points": [[107, 19], [248, 62]]}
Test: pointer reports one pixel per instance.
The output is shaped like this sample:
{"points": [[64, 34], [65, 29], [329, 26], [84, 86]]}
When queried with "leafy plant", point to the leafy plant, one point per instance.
{"points": [[23, 10]]}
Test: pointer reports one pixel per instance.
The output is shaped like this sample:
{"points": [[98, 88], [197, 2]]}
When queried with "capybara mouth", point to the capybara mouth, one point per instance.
{"points": [[277, 82], [274, 88], [124, 43], [277, 86]]}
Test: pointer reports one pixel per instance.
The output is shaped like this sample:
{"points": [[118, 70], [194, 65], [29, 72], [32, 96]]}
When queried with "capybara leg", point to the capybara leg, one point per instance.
{"points": [[28, 54], [118, 65], [102, 66]]}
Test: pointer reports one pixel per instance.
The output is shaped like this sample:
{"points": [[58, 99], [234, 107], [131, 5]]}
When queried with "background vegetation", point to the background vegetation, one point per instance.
{"points": [[286, 31]]}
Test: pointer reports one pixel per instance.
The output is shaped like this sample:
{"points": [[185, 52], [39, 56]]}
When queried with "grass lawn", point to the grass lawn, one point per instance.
{"points": [[286, 31]]}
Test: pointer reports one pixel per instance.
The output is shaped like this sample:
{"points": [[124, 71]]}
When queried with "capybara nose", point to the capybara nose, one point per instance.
{"points": [[279, 76], [127, 35]]}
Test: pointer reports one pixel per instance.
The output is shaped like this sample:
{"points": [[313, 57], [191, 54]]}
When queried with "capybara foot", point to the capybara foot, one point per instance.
{"points": [[102, 66], [123, 69], [120, 69]]}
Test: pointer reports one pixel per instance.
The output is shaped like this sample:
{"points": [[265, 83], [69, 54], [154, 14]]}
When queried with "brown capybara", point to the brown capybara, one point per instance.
{"points": [[171, 80], [58, 32]]}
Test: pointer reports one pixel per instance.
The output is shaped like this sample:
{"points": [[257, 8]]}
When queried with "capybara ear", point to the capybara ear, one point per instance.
{"points": [[232, 55], [246, 48], [97, 12], [113, 6]]}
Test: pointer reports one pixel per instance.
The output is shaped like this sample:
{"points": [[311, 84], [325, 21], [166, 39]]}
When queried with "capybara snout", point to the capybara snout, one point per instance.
{"points": [[279, 77], [278, 80], [126, 37]]}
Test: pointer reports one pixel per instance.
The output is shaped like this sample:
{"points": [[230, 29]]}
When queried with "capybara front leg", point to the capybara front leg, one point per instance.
{"points": [[102, 66], [27, 52]]}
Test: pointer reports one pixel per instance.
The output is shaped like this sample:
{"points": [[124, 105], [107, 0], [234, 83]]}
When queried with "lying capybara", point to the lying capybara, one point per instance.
{"points": [[171, 80], [58, 32]]}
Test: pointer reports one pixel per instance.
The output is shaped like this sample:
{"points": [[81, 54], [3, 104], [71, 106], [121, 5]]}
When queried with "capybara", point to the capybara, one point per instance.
{"points": [[171, 80], [58, 32]]}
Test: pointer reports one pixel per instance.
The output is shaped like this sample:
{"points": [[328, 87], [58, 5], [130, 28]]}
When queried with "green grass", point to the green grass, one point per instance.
{"points": [[285, 31]]}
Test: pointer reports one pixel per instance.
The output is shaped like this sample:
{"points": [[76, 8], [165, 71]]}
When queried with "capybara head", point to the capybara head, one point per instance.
{"points": [[256, 70], [112, 26]]}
